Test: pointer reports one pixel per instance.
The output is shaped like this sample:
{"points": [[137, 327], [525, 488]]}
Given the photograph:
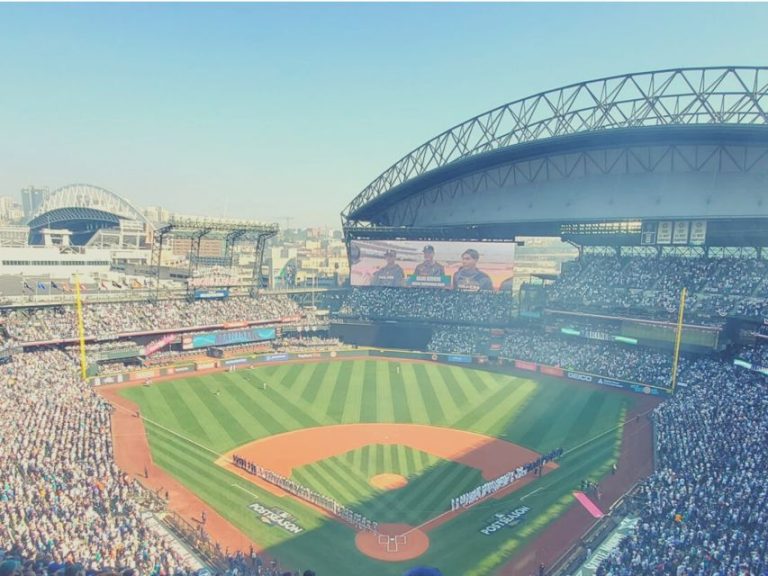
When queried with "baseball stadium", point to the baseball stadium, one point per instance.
{"points": [[447, 408]]}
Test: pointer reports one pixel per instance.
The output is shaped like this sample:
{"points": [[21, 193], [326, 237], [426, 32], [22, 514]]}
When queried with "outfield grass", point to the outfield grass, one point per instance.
{"points": [[190, 421]]}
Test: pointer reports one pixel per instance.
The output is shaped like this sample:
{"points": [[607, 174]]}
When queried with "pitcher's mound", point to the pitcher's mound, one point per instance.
{"points": [[393, 543], [388, 481]]}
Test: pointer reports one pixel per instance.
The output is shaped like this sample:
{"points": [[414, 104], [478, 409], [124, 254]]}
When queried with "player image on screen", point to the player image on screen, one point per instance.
{"points": [[391, 274], [429, 267], [469, 278], [429, 273]]}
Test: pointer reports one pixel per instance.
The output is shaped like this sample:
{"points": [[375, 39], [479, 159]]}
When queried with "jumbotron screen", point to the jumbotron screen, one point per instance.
{"points": [[466, 266]]}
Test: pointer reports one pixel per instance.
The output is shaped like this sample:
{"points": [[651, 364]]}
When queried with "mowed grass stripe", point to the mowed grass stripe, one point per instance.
{"points": [[216, 409], [355, 394], [478, 382], [443, 398], [335, 409], [285, 374], [413, 395], [589, 420], [469, 387], [398, 459], [573, 410], [498, 417], [324, 396], [248, 385], [153, 404], [451, 409], [263, 412], [345, 485], [385, 409], [456, 391], [378, 450], [371, 463], [534, 423], [409, 466], [303, 413], [313, 386], [402, 412], [185, 416], [360, 458], [300, 377], [470, 419], [369, 386], [300, 413]]}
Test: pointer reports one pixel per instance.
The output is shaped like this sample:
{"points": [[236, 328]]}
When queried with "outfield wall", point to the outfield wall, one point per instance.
{"points": [[505, 365]]}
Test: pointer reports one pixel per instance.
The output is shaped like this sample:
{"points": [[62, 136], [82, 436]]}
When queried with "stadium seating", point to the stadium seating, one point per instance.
{"points": [[56, 323], [716, 286]]}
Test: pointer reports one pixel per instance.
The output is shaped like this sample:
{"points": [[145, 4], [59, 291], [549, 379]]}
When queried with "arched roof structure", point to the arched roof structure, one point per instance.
{"points": [[693, 119]]}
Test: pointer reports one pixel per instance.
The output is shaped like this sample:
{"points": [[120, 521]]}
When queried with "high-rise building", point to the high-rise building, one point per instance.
{"points": [[32, 198]]}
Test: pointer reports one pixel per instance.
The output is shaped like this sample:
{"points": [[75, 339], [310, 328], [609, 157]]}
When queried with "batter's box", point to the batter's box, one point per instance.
{"points": [[393, 543]]}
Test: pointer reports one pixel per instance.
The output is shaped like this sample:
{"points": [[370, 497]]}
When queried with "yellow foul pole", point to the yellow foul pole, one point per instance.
{"points": [[678, 338], [80, 328]]}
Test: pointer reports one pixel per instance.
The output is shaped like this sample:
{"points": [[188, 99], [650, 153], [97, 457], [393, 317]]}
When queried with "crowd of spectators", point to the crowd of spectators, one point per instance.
{"points": [[716, 286], [705, 509], [102, 320], [757, 355], [428, 304], [459, 340], [609, 359], [62, 498]]}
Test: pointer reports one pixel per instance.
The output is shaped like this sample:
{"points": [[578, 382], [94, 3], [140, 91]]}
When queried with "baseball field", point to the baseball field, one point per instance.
{"points": [[391, 440]]}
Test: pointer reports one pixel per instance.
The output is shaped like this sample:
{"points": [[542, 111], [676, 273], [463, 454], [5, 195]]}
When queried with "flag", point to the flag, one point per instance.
{"points": [[66, 287], [135, 283], [116, 284], [42, 286], [54, 285], [27, 286], [104, 285]]}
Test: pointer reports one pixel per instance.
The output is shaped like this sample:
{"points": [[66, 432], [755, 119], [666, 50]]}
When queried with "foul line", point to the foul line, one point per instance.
{"points": [[157, 424], [244, 490]]}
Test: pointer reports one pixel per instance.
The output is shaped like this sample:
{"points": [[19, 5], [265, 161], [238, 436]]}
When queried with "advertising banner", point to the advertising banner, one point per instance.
{"points": [[466, 266], [159, 344], [211, 294], [227, 337], [523, 365], [551, 370], [459, 358]]}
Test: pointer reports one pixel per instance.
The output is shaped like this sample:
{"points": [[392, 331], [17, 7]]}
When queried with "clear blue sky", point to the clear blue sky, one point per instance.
{"points": [[274, 110]]}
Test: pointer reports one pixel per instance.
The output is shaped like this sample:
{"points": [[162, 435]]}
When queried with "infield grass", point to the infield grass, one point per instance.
{"points": [[191, 421]]}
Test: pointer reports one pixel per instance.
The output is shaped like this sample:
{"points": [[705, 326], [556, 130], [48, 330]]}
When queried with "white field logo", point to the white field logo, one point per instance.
{"points": [[278, 517], [506, 520]]}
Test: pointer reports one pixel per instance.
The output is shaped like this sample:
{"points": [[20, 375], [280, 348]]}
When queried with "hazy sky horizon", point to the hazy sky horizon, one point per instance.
{"points": [[270, 111]]}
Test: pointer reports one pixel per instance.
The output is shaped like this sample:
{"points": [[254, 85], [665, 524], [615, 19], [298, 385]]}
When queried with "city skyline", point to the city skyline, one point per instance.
{"points": [[287, 111]]}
